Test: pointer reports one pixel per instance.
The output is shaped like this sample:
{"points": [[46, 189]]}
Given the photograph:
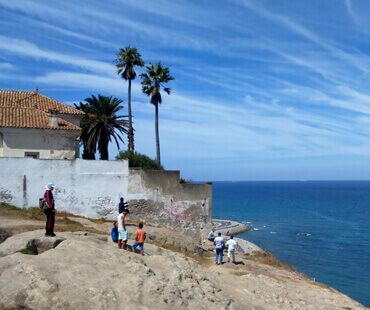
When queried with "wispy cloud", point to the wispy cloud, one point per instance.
{"points": [[25, 48], [350, 11], [361, 62]]}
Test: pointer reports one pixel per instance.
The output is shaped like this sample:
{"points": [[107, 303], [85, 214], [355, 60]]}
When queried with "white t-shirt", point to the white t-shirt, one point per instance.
{"points": [[119, 220], [231, 244], [218, 241]]}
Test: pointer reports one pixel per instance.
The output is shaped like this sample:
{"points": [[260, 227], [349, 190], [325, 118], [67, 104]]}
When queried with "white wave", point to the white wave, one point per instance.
{"points": [[272, 232], [255, 229]]}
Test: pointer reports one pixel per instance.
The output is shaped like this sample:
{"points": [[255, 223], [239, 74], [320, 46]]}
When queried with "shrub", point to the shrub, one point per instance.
{"points": [[138, 160]]}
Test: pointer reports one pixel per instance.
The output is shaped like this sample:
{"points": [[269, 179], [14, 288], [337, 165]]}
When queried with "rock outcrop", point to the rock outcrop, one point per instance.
{"points": [[87, 271]]}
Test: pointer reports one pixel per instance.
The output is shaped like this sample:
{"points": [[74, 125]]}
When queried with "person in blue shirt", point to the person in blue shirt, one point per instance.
{"points": [[114, 232]]}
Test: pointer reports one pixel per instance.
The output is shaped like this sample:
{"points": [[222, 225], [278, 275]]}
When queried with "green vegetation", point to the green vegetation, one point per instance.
{"points": [[238, 273], [100, 124], [152, 81], [139, 160], [126, 60], [27, 252]]}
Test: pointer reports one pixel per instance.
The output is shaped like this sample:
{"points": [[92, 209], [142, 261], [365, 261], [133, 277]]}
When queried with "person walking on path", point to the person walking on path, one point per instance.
{"points": [[219, 243], [122, 205], [231, 246], [140, 238], [122, 231], [50, 213]]}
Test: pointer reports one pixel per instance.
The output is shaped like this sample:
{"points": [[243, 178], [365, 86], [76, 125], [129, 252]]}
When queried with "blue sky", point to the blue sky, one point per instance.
{"points": [[263, 90]]}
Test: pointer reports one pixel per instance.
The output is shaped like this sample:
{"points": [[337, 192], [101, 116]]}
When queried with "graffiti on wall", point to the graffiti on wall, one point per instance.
{"points": [[177, 212]]}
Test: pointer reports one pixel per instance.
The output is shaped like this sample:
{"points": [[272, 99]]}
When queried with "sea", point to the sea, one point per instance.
{"points": [[335, 215]]}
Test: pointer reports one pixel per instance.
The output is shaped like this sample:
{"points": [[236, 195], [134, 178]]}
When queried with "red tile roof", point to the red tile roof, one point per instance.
{"points": [[27, 99], [21, 109], [30, 118]]}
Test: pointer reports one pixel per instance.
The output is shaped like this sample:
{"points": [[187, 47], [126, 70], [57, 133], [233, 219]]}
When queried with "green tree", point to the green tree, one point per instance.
{"points": [[101, 124], [126, 60], [88, 142], [152, 81], [138, 160]]}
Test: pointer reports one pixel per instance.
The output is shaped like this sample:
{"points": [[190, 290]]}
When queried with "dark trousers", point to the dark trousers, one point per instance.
{"points": [[50, 220]]}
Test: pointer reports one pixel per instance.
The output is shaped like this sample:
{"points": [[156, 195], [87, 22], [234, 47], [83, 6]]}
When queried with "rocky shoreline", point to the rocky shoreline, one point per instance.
{"points": [[82, 270]]}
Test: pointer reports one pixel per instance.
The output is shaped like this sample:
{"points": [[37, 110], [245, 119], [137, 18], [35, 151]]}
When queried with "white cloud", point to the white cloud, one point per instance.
{"points": [[27, 49]]}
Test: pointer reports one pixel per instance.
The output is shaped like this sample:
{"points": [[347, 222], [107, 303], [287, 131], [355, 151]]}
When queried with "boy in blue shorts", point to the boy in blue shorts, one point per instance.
{"points": [[122, 232], [140, 238]]}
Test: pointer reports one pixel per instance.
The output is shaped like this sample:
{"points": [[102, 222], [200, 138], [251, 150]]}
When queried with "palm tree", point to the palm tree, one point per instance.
{"points": [[152, 81], [100, 124], [89, 143], [126, 60]]}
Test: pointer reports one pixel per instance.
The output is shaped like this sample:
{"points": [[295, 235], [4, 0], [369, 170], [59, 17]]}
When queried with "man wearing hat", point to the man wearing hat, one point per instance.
{"points": [[50, 213]]}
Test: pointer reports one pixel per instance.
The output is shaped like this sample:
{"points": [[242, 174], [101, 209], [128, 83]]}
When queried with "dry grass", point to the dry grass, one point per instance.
{"points": [[63, 223], [196, 257], [35, 213], [18, 213], [268, 259]]}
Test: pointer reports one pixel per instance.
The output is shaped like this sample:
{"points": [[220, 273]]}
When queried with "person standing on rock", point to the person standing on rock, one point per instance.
{"points": [[231, 245], [140, 238], [122, 231], [219, 243], [122, 205], [50, 213]]}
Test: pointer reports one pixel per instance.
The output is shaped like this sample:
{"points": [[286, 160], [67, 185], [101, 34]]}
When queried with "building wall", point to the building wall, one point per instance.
{"points": [[72, 118], [1, 145], [158, 196], [49, 144], [93, 188]]}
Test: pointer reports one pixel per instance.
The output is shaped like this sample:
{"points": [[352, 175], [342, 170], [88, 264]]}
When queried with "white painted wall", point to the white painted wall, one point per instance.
{"points": [[83, 187], [75, 119], [50, 144], [1, 145], [92, 188]]}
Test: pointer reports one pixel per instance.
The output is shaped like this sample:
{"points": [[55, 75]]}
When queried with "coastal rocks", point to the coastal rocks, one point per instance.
{"points": [[83, 272], [33, 241], [88, 271]]}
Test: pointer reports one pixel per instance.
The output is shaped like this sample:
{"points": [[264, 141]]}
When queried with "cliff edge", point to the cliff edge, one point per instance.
{"points": [[84, 270]]}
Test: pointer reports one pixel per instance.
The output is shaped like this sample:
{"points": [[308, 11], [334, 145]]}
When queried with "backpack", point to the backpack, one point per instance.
{"points": [[43, 204]]}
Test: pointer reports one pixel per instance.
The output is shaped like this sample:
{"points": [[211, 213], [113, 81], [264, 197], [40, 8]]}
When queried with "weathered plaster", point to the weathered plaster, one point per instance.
{"points": [[158, 197], [50, 144], [93, 188]]}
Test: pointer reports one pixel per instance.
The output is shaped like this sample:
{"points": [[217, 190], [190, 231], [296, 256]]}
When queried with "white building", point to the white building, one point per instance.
{"points": [[33, 125]]}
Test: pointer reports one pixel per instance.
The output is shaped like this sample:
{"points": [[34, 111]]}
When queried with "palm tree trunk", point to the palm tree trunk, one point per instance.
{"points": [[158, 159], [103, 146], [130, 129]]}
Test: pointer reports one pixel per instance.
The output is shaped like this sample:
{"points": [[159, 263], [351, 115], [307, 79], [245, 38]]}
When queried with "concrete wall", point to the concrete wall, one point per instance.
{"points": [[93, 189], [158, 197], [48, 144]]}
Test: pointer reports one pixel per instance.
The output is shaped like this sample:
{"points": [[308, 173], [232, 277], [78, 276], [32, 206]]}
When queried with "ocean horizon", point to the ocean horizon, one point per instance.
{"points": [[334, 215]]}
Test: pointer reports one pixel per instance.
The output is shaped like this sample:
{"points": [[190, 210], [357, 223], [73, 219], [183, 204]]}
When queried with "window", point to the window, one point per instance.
{"points": [[32, 154]]}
